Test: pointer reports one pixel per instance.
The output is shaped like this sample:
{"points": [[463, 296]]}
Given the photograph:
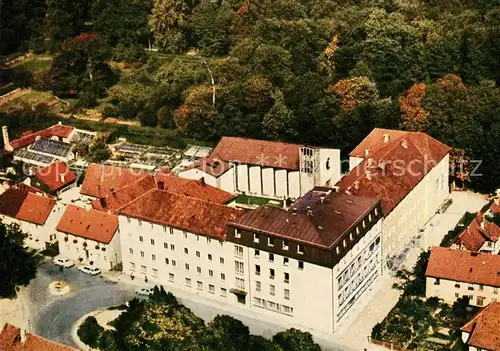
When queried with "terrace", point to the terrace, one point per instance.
{"points": [[51, 147]]}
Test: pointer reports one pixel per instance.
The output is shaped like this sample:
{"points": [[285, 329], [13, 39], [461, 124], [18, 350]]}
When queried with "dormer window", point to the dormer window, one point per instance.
{"points": [[237, 234], [337, 250], [270, 241], [256, 238], [285, 245], [300, 249]]}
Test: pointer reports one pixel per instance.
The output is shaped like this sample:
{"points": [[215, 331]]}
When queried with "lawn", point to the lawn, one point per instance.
{"points": [[259, 201], [38, 63]]}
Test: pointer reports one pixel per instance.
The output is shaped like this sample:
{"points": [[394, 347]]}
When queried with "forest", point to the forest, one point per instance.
{"points": [[321, 72]]}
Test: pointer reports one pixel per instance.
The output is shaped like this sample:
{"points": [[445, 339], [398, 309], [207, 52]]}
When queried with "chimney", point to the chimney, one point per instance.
{"points": [[6, 140], [322, 198], [202, 181], [368, 175], [386, 138], [22, 334], [367, 152], [309, 211], [63, 178], [294, 211], [161, 185], [404, 144]]}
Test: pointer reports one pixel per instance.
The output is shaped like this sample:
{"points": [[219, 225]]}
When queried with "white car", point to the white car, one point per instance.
{"points": [[90, 270], [144, 291], [63, 262]]}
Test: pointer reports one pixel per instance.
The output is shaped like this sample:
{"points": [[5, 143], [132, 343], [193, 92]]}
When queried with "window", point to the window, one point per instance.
{"points": [[186, 251], [495, 290], [257, 269], [152, 241], [153, 257], [238, 251], [337, 250], [272, 290], [457, 295], [209, 240], [240, 283], [197, 253], [142, 253], [301, 265], [221, 260], [211, 289], [256, 238], [165, 229], [271, 257], [376, 211], [143, 269], [210, 273], [351, 237], [171, 277], [344, 243], [155, 272], [222, 276], [457, 286], [186, 266], [237, 234], [271, 273], [165, 245], [132, 266], [210, 257], [199, 285], [187, 281], [185, 234], [286, 278], [256, 253], [172, 247], [128, 219], [167, 260], [238, 267], [141, 239], [285, 261], [471, 287], [300, 249], [173, 263], [480, 300], [171, 231], [197, 237], [481, 287], [131, 251], [287, 294], [257, 286], [139, 222], [257, 301], [223, 292], [285, 244], [198, 269], [270, 241], [436, 282], [287, 309]]}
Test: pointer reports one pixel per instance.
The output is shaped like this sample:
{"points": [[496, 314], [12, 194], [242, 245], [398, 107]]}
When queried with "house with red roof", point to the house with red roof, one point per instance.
{"points": [[482, 332], [16, 339], [266, 168], [55, 178], [408, 171], [90, 237], [452, 274], [36, 214]]}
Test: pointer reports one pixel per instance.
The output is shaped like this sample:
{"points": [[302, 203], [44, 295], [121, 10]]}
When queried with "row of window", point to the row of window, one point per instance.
{"points": [[365, 222], [357, 295], [172, 247], [186, 267], [273, 306], [272, 290], [470, 287], [271, 241], [171, 231], [238, 252], [286, 276], [359, 278]]}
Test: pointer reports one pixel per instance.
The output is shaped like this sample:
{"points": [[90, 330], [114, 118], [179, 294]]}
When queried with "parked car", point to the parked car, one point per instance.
{"points": [[144, 291], [90, 270], [63, 261]]}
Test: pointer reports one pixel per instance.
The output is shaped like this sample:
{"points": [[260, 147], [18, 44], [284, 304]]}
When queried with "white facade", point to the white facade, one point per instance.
{"points": [[416, 209], [172, 257], [224, 182], [39, 234], [103, 256]]}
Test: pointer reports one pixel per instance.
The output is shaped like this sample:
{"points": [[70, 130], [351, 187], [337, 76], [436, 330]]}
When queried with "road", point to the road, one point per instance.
{"points": [[53, 317]]}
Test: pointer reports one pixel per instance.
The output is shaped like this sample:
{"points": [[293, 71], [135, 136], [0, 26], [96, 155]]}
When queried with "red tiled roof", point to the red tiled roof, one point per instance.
{"points": [[485, 328], [55, 176], [479, 231], [89, 224], [26, 206], [100, 180], [214, 167], [330, 218], [59, 130], [171, 183], [464, 266], [182, 212], [495, 208], [386, 163], [257, 152], [10, 340]]}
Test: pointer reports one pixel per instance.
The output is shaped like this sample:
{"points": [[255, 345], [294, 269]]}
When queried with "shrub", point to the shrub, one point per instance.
{"points": [[90, 331], [42, 80], [110, 111]]}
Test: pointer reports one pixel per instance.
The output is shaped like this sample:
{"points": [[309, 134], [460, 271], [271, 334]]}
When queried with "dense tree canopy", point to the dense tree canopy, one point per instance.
{"points": [[17, 264]]}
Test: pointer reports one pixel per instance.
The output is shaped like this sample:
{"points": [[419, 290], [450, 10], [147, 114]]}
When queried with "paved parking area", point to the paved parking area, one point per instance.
{"points": [[354, 333]]}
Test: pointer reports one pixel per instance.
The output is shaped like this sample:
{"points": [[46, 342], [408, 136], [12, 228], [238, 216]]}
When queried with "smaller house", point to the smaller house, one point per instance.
{"points": [[452, 274], [215, 172], [55, 178], [483, 331], [36, 214], [90, 237], [16, 339]]}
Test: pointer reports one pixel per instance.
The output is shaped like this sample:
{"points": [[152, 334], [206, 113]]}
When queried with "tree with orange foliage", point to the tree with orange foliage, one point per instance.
{"points": [[414, 117], [354, 92]]}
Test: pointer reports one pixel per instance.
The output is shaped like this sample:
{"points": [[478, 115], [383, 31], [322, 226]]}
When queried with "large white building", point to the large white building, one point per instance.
{"points": [[408, 171], [90, 237], [267, 168], [36, 213]]}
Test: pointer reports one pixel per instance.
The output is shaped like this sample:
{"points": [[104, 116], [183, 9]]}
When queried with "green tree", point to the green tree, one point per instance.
{"points": [[295, 340], [169, 22], [18, 264], [226, 333], [90, 331]]}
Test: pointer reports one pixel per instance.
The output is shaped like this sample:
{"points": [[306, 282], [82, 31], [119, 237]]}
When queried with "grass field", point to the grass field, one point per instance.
{"points": [[38, 63]]}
